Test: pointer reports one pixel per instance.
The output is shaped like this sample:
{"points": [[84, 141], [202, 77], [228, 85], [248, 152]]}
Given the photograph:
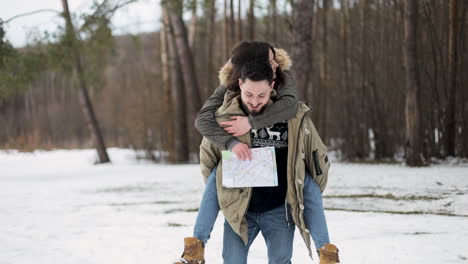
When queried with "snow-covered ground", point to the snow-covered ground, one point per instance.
{"points": [[57, 207]]}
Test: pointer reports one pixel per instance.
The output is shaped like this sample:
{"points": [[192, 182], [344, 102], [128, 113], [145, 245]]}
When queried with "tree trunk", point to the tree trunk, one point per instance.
{"points": [[302, 17], [232, 29], [167, 130], [226, 31], [451, 133], [193, 24], [211, 4], [274, 14], [251, 20], [181, 146], [193, 99], [346, 80], [412, 112], [239, 21], [324, 77], [86, 105]]}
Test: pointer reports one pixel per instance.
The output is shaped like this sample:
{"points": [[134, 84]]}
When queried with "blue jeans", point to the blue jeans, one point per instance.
{"points": [[208, 211], [277, 230], [314, 214]]}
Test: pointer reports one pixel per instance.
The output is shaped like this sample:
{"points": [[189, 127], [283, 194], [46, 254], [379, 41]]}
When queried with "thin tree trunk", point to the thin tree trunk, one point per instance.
{"points": [[274, 14], [211, 4], [167, 130], [302, 16], [86, 105], [185, 57], [226, 31], [345, 79], [181, 146], [193, 24], [239, 21], [412, 111], [324, 78], [451, 133], [251, 20], [232, 29], [187, 66]]}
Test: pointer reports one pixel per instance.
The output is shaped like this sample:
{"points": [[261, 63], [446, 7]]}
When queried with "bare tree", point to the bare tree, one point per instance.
{"points": [[193, 24], [181, 146], [226, 35], [412, 111], [239, 21], [302, 17], [251, 20], [193, 99], [167, 130], [453, 55], [211, 5], [86, 105], [232, 28], [274, 18], [322, 92]]}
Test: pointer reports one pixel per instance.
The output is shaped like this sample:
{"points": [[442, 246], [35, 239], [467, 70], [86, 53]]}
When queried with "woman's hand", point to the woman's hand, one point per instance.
{"points": [[238, 126], [242, 151]]}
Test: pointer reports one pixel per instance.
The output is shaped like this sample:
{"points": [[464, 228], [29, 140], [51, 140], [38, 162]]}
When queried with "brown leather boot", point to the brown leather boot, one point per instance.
{"points": [[194, 252], [329, 254]]}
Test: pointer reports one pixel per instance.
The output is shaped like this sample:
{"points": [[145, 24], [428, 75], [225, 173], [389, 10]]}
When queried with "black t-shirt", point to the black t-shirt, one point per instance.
{"points": [[267, 198]]}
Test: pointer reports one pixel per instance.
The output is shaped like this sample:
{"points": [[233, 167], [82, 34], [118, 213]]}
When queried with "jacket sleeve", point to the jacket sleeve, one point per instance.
{"points": [[316, 158], [205, 121], [210, 156], [283, 109]]}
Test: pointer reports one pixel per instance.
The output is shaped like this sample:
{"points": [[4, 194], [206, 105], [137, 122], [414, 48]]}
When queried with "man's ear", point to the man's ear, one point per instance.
{"points": [[240, 83], [272, 85]]}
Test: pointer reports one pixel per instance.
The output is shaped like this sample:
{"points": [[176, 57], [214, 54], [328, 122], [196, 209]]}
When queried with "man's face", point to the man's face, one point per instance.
{"points": [[255, 95]]}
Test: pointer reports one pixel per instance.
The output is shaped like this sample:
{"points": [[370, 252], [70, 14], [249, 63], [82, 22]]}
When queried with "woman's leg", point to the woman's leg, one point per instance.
{"points": [[208, 211], [314, 214]]}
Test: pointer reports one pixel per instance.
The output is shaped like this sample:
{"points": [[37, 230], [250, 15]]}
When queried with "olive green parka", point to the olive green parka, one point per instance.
{"points": [[306, 151]]}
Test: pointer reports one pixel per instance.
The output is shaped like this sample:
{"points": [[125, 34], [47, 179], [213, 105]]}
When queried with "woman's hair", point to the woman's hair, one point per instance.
{"points": [[248, 52]]}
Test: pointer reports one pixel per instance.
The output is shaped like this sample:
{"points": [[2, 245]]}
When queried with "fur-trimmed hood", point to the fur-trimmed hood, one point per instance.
{"points": [[281, 57]]}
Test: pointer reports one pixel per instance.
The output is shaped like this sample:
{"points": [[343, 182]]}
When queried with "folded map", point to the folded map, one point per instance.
{"points": [[261, 171]]}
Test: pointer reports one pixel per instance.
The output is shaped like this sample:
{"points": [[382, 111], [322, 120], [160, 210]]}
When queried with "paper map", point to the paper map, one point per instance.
{"points": [[259, 172]]}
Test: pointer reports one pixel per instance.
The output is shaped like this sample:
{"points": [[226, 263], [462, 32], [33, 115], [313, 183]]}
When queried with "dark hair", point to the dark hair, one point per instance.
{"points": [[257, 71], [247, 52]]}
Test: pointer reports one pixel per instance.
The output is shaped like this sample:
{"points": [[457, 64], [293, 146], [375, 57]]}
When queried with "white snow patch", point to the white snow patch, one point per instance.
{"points": [[57, 207]]}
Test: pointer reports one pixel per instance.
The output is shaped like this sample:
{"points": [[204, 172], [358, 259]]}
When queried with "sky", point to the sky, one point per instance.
{"points": [[142, 16]]}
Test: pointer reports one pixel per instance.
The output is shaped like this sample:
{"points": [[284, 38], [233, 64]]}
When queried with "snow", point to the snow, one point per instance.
{"points": [[58, 207]]}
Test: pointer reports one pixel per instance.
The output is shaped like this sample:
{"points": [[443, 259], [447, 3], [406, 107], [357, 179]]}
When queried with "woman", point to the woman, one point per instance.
{"points": [[284, 108]]}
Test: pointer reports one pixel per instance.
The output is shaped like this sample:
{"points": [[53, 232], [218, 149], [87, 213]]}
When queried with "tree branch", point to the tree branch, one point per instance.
{"points": [[31, 13]]}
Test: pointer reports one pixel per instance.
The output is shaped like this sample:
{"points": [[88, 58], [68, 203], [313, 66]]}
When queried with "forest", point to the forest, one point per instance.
{"points": [[386, 79]]}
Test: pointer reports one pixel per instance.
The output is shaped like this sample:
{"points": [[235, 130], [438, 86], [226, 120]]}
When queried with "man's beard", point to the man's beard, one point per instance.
{"points": [[253, 112]]}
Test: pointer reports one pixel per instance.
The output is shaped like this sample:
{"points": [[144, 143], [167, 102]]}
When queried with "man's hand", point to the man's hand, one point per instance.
{"points": [[242, 151], [238, 126]]}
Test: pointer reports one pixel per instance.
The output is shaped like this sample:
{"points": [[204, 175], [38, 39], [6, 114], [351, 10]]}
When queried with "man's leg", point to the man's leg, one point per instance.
{"points": [[314, 214], [234, 249], [208, 211], [277, 229]]}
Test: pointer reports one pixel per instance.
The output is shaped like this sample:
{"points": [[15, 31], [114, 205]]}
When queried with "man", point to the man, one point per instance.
{"points": [[271, 210]]}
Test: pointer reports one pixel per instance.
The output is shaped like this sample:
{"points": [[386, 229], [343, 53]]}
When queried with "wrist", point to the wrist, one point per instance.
{"points": [[231, 143]]}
